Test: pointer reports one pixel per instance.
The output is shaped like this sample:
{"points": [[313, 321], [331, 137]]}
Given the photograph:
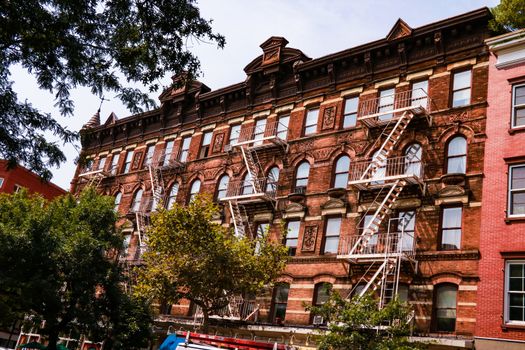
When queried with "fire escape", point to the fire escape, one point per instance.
{"points": [[256, 187], [385, 177], [161, 165]]}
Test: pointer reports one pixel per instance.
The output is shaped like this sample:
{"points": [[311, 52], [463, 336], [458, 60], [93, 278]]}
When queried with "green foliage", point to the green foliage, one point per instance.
{"points": [[508, 15], [69, 43], [190, 257], [357, 323], [57, 266]]}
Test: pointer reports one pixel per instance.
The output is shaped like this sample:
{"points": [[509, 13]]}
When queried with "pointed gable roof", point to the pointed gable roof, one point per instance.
{"points": [[400, 30], [112, 119]]}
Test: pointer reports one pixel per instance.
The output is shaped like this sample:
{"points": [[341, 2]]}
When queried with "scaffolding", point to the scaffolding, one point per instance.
{"points": [[384, 254], [256, 187]]}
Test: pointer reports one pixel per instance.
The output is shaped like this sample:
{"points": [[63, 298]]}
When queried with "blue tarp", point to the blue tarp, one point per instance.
{"points": [[171, 342]]}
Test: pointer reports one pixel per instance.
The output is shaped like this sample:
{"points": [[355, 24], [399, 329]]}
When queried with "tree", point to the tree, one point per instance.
{"points": [[357, 323], [191, 257], [57, 266], [508, 15], [67, 44]]}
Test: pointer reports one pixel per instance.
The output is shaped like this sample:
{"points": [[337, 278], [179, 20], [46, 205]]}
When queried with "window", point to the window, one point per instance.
{"points": [[310, 125], [515, 291], [413, 155], [258, 131], [451, 228], [282, 127], [419, 95], [321, 296], [380, 172], [1, 181], [185, 150], [273, 180], [114, 163], [222, 190], [461, 88], [149, 155], [457, 155], [386, 104], [406, 227], [342, 166], [89, 165], [172, 197], [518, 106], [168, 150], [205, 147], [358, 290], [247, 186], [292, 237], [517, 190], [118, 198], [331, 240], [301, 177], [234, 134], [402, 293], [350, 113], [371, 247], [260, 232], [195, 189], [17, 188], [125, 246], [445, 308], [127, 163], [101, 163], [137, 199], [279, 302]]}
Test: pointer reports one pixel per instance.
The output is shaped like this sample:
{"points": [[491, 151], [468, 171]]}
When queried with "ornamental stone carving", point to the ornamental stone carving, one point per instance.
{"points": [[309, 238]]}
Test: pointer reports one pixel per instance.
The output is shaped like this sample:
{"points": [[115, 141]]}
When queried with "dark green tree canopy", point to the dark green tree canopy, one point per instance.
{"points": [[69, 43], [57, 266]]}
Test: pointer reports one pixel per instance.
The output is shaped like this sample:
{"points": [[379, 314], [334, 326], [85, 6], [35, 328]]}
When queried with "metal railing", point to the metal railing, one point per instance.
{"points": [[379, 170], [168, 160], [238, 308], [380, 244], [247, 188], [257, 134], [394, 103]]}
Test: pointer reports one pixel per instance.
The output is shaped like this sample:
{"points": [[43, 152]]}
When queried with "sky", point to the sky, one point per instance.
{"points": [[316, 27]]}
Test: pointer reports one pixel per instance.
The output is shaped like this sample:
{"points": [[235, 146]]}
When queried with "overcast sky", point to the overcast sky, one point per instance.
{"points": [[315, 27]]}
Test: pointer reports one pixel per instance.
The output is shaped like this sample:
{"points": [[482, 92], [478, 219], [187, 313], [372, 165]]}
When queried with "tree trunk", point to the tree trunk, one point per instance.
{"points": [[205, 321], [53, 340]]}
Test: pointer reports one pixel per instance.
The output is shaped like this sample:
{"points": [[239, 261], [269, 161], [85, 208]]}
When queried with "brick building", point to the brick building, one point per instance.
{"points": [[372, 156], [500, 317], [15, 178]]}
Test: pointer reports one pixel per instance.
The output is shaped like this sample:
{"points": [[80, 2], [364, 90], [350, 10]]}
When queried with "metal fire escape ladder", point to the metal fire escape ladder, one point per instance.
{"points": [[157, 184], [388, 145], [381, 212], [238, 213], [141, 220], [253, 166]]}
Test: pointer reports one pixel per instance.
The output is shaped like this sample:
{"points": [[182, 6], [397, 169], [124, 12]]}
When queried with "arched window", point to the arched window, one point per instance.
{"points": [[247, 186], [172, 196], [195, 189], [273, 179], [445, 307], [413, 155], [301, 177], [137, 199], [457, 155], [342, 166], [118, 198], [222, 189]]}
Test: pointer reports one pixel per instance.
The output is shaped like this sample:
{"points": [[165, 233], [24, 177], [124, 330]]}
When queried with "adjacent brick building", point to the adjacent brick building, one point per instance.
{"points": [[13, 179], [501, 319], [369, 152]]}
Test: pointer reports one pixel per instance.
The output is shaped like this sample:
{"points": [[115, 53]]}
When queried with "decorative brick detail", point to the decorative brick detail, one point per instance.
{"points": [[309, 239]]}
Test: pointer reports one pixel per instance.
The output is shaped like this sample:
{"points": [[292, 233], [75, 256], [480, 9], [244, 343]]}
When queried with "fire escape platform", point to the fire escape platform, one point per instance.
{"points": [[274, 140], [248, 198], [373, 121], [371, 184], [99, 172]]}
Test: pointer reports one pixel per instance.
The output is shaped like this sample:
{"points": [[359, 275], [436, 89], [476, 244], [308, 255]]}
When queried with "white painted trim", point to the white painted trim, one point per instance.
{"points": [[208, 127], [313, 101], [150, 141], [264, 113], [132, 146], [461, 64], [421, 74], [439, 75], [115, 150], [354, 91], [187, 132], [392, 81], [285, 108], [313, 218], [467, 287], [236, 120]]}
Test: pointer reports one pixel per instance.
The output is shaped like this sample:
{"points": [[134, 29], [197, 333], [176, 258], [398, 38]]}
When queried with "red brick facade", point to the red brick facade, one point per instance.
{"points": [[502, 233], [11, 179], [285, 82]]}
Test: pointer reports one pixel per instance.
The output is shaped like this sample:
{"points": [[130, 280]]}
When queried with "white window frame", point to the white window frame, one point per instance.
{"points": [[235, 133], [1, 182], [307, 126], [469, 88], [128, 161], [185, 149], [515, 106], [510, 190], [506, 298], [352, 113]]}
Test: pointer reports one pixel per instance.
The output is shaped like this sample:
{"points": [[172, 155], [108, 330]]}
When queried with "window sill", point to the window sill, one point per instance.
{"points": [[516, 130], [514, 219], [510, 326]]}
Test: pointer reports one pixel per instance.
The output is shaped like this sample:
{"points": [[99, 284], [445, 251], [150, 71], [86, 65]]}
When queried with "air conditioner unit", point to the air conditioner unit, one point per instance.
{"points": [[318, 320]]}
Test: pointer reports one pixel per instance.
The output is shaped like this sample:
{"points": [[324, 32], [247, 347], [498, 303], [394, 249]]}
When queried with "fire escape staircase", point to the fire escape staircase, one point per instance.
{"points": [[390, 176]]}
